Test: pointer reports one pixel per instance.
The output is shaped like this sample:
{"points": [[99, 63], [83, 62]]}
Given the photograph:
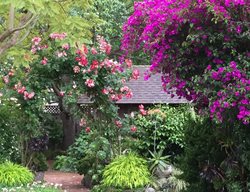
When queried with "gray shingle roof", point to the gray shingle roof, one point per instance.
{"points": [[145, 92]]}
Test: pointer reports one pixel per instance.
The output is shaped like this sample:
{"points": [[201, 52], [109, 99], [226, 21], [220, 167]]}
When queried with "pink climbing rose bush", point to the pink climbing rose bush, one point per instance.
{"points": [[61, 72], [201, 48]]}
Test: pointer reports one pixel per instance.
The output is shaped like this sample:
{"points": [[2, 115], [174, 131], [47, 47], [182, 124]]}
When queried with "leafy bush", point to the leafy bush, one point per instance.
{"points": [[9, 122], [65, 163], [88, 155], [216, 156], [126, 172], [39, 162], [14, 175], [162, 128]]}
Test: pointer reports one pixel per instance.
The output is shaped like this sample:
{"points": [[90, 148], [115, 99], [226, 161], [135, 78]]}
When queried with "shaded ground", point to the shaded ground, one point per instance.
{"points": [[71, 182]]}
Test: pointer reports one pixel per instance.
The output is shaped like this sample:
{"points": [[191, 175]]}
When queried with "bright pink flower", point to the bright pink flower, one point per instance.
{"points": [[65, 46], [61, 93], [143, 112], [6, 79], [141, 106], [36, 40], [94, 65], [129, 94], [21, 90], [93, 51], [31, 95], [136, 74], [133, 128], [108, 49], [61, 54], [82, 122], [104, 46], [27, 95], [11, 73], [87, 129], [76, 69], [128, 62], [118, 123], [84, 49], [83, 61], [59, 36], [124, 89], [105, 91], [44, 61], [90, 83]]}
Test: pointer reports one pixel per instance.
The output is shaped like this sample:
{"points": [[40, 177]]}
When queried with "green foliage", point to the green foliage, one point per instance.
{"points": [[170, 183], [34, 187], [126, 172], [39, 162], [9, 123], [157, 161], [88, 155], [14, 175], [44, 17], [162, 128], [216, 156], [65, 163]]}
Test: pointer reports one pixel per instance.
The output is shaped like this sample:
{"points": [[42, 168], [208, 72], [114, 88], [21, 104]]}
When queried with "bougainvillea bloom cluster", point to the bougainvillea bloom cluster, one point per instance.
{"points": [[202, 49]]}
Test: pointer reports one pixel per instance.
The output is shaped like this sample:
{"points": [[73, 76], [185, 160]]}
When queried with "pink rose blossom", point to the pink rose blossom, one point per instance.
{"points": [[65, 46], [105, 91], [76, 69], [90, 83], [82, 122], [59, 36], [128, 62], [118, 123], [136, 74], [36, 40], [93, 51], [133, 128], [6, 79], [44, 61], [87, 130]]}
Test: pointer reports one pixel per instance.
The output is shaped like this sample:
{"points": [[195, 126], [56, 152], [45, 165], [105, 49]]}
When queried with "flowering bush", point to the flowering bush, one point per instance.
{"points": [[61, 72], [201, 48]]}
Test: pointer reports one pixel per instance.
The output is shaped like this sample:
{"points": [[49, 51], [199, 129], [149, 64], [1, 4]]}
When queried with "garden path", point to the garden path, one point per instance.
{"points": [[71, 182]]}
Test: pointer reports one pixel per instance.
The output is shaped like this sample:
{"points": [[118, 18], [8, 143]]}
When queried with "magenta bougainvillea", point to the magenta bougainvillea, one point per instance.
{"points": [[202, 49]]}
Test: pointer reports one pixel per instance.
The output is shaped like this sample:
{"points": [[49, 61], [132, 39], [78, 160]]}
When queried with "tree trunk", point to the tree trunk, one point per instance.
{"points": [[69, 130]]}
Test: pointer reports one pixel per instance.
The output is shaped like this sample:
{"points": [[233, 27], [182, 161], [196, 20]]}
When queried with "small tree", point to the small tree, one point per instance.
{"points": [[20, 19]]}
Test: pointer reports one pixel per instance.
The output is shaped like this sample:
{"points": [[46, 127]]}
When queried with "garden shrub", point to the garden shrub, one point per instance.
{"points": [[14, 175], [126, 172], [39, 162], [9, 123], [216, 156], [88, 155], [161, 129]]}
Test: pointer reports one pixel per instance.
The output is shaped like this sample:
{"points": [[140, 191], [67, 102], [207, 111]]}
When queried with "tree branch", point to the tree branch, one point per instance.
{"points": [[11, 16], [27, 32], [9, 32]]}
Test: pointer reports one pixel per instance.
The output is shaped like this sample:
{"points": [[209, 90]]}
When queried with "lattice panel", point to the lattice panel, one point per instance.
{"points": [[52, 109]]}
